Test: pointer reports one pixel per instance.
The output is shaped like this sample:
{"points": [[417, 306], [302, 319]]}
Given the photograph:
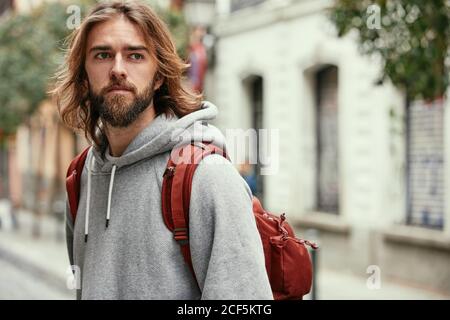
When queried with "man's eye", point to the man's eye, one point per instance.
{"points": [[136, 56], [102, 55]]}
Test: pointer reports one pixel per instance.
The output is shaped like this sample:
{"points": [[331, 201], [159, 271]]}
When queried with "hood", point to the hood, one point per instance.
{"points": [[160, 136], [163, 134]]}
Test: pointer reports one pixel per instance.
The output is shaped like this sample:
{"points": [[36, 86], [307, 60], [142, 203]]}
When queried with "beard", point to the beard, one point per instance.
{"points": [[119, 110]]}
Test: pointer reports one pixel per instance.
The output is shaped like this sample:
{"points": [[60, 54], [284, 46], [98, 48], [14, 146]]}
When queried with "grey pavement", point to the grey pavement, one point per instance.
{"points": [[33, 267], [18, 284], [333, 285]]}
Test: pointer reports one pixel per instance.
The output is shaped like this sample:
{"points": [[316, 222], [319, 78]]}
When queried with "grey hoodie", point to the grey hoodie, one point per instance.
{"points": [[136, 257]]}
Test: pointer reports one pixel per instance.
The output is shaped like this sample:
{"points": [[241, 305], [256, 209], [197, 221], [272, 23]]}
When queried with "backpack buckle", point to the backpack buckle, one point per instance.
{"points": [[180, 235]]}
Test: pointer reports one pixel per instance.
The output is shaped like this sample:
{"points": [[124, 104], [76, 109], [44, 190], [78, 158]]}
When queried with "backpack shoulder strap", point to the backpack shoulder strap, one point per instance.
{"points": [[176, 190], [73, 181]]}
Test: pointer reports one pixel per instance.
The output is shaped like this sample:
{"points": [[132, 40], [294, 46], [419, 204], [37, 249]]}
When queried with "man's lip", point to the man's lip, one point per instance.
{"points": [[120, 88]]}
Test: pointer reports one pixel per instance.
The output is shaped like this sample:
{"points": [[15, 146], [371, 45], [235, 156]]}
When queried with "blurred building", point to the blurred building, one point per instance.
{"points": [[43, 149], [354, 162]]}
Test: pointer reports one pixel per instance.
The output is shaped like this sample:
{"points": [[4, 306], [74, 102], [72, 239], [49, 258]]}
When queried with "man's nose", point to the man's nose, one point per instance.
{"points": [[118, 70]]}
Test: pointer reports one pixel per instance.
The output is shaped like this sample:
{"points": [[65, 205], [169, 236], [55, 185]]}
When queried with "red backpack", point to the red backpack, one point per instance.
{"points": [[287, 259]]}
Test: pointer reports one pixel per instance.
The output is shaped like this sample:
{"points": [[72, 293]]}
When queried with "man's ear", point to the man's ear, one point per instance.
{"points": [[158, 82], [86, 83]]}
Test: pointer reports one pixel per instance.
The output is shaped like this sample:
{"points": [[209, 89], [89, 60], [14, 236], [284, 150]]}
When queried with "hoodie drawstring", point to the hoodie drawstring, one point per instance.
{"points": [[88, 199], [111, 183]]}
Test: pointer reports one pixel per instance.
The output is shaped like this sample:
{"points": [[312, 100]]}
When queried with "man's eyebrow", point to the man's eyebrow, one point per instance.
{"points": [[100, 48], [127, 48], [136, 48]]}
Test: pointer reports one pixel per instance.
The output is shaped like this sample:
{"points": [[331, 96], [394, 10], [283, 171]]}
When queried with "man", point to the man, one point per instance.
{"points": [[121, 85]]}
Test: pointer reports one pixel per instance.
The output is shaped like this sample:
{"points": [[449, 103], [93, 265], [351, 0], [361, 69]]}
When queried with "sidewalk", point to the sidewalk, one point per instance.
{"points": [[45, 259], [334, 285]]}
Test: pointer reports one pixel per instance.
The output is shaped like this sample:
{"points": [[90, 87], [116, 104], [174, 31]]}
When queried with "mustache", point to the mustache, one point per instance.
{"points": [[123, 85]]}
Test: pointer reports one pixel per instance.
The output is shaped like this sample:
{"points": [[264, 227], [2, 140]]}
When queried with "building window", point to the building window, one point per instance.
{"points": [[250, 170], [425, 152], [327, 173]]}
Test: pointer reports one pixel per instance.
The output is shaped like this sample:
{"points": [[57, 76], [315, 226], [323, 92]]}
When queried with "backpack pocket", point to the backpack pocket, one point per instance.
{"points": [[291, 268]]}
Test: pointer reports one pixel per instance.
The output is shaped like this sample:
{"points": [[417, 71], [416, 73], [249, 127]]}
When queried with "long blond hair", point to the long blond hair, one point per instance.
{"points": [[71, 88]]}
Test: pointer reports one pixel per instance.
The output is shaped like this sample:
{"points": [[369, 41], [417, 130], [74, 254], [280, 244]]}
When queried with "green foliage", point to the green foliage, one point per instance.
{"points": [[177, 25], [179, 30], [21, 50], [30, 50], [413, 40]]}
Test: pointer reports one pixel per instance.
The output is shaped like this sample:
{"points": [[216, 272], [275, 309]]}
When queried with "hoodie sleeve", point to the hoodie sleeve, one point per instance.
{"points": [[69, 233], [226, 248]]}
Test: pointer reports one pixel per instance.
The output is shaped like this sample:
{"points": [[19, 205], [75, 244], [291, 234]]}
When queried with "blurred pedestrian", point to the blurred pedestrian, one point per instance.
{"points": [[197, 59], [247, 172]]}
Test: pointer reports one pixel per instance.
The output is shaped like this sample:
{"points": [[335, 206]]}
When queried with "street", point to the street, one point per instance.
{"points": [[18, 284]]}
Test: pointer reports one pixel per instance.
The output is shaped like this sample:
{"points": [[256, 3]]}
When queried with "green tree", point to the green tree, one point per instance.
{"points": [[179, 29], [411, 36], [177, 25], [30, 50]]}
